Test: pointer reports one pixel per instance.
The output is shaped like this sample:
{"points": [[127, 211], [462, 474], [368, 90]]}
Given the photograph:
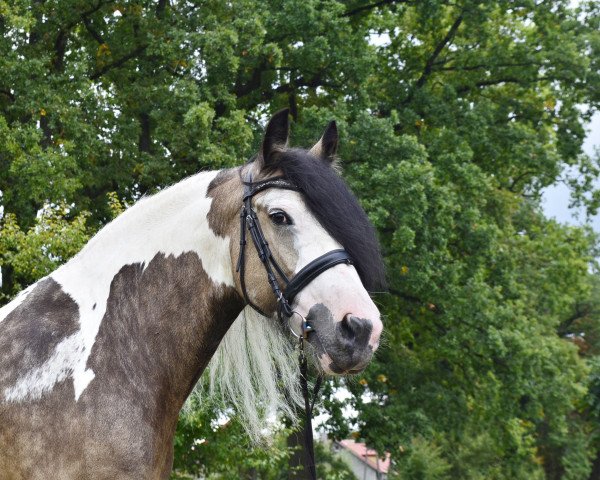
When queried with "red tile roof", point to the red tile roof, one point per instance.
{"points": [[367, 455]]}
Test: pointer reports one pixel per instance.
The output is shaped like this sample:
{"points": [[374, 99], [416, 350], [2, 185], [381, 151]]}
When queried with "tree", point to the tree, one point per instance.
{"points": [[453, 115]]}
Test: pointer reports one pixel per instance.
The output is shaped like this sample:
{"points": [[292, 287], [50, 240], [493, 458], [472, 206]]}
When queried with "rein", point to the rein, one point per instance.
{"points": [[287, 293]]}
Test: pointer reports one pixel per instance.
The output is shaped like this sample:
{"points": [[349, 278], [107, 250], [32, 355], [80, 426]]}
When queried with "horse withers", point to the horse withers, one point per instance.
{"points": [[98, 358]]}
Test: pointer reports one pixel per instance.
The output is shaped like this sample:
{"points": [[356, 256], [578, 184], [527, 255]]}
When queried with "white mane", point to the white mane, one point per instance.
{"points": [[255, 370]]}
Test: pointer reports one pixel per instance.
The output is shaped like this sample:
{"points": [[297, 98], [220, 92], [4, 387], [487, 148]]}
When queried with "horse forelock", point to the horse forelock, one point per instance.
{"points": [[338, 211]]}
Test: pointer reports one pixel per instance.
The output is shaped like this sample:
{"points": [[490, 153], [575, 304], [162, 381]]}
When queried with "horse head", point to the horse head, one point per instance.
{"points": [[313, 239]]}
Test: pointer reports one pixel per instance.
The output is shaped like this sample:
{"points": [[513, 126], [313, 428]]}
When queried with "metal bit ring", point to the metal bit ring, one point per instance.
{"points": [[304, 325]]}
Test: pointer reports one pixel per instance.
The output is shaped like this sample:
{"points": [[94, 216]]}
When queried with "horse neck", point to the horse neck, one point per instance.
{"points": [[155, 292]]}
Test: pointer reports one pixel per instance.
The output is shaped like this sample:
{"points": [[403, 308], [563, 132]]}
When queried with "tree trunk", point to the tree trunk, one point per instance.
{"points": [[145, 141], [595, 475], [6, 291], [299, 458]]}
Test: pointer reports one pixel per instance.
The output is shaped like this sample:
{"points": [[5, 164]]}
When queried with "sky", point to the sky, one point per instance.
{"points": [[555, 200]]}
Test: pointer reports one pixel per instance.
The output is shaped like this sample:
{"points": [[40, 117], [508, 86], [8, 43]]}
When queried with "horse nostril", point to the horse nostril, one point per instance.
{"points": [[355, 328], [348, 326], [349, 347]]}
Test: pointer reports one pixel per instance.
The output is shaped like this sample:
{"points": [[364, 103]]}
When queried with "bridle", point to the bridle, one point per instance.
{"points": [[286, 295]]}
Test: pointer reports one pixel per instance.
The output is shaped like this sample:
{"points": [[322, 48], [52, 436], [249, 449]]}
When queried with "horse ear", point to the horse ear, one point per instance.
{"points": [[327, 146], [276, 137]]}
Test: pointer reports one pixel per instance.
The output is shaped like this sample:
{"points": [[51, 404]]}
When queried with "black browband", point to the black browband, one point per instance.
{"points": [[249, 221]]}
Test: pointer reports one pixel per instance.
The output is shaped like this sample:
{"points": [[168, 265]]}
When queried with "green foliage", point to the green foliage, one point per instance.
{"points": [[212, 449], [421, 461], [330, 466], [453, 115], [34, 253]]}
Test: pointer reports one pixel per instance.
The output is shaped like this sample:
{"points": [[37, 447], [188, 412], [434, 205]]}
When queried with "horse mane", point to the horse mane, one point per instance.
{"points": [[255, 372]]}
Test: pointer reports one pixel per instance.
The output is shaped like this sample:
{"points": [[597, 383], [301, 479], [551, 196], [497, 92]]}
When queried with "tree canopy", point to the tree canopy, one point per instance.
{"points": [[454, 116]]}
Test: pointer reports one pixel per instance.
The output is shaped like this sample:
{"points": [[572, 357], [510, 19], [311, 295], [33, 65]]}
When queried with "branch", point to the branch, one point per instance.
{"points": [[371, 6], [96, 7], [513, 184], [91, 30], [160, 8], [436, 53], [8, 94], [467, 68], [254, 84], [314, 82], [581, 312], [117, 63], [45, 126], [145, 139], [289, 88], [243, 89], [173, 71], [405, 296], [60, 46], [498, 81], [437, 311], [438, 49], [86, 13]]}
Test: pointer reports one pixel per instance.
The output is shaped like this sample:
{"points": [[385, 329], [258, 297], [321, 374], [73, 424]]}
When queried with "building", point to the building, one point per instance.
{"points": [[364, 462]]}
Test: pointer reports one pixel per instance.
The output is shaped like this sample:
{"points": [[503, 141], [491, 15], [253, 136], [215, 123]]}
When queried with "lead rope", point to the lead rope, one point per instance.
{"points": [[308, 409]]}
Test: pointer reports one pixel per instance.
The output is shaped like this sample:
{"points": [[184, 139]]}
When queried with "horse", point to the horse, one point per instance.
{"points": [[98, 358]]}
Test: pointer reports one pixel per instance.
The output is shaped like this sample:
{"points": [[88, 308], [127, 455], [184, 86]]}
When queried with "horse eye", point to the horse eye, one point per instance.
{"points": [[280, 218]]}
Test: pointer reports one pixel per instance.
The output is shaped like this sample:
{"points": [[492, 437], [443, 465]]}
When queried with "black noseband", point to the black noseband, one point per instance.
{"points": [[313, 270], [249, 221]]}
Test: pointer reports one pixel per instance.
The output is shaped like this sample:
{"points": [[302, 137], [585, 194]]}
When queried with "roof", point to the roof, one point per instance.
{"points": [[367, 455]]}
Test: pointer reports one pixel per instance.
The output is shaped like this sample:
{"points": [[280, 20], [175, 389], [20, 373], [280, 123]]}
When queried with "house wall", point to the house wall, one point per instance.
{"points": [[361, 470]]}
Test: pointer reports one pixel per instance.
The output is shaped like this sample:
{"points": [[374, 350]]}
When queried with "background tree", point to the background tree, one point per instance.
{"points": [[454, 116]]}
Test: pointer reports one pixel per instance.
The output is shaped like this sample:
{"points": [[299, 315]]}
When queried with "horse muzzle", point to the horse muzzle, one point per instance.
{"points": [[345, 346]]}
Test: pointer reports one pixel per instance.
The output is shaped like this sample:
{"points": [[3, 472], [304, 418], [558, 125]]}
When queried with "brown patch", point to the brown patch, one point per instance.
{"points": [[223, 218], [226, 190], [162, 325]]}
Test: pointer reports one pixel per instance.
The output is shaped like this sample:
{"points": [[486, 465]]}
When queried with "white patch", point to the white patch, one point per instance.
{"points": [[172, 222], [41, 379], [18, 300], [310, 238]]}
